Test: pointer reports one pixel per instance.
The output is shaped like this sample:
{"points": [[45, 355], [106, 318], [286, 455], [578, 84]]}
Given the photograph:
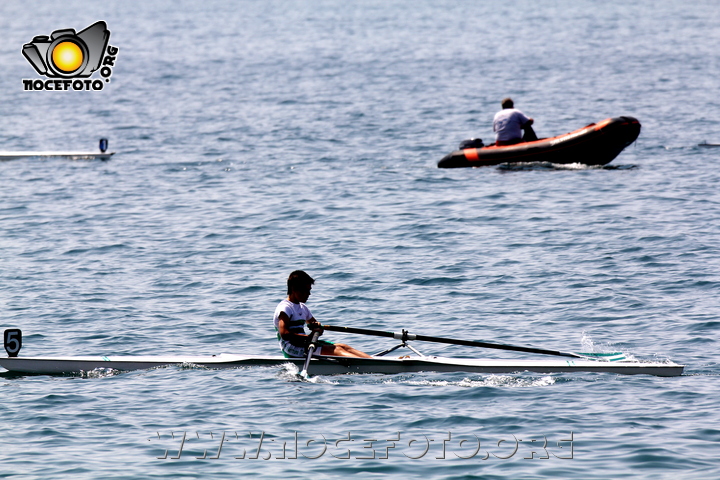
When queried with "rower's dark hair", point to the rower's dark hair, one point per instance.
{"points": [[507, 103], [298, 280]]}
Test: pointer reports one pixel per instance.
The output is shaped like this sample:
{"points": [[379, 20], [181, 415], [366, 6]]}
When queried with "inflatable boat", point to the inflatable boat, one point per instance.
{"points": [[595, 144]]}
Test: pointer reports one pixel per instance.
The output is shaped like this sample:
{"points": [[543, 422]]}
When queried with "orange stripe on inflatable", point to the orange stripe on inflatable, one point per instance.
{"points": [[603, 124], [471, 153]]}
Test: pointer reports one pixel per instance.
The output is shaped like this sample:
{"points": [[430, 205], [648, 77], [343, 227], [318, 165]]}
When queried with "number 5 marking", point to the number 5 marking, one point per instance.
{"points": [[13, 341]]}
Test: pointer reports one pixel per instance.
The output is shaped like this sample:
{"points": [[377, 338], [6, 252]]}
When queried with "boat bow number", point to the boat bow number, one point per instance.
{"points": [[13, 341]]}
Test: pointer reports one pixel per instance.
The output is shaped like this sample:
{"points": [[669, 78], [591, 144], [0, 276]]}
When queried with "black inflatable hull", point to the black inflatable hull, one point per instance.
{"points": [[596, 144]]}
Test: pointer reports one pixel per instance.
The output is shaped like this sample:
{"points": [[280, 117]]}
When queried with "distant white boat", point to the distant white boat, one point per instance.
{"points": [[103, 154], [70, 155]]}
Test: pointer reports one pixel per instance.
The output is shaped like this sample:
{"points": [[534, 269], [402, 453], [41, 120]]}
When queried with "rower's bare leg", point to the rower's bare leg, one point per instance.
{"points": [[342, 350]]}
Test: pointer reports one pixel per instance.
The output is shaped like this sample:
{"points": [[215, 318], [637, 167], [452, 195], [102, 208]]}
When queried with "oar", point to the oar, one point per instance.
{"points": [[311, 349], [405, 336]]}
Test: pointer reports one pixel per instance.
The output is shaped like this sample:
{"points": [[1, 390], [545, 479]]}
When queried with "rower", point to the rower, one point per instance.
{"points": [[290, 318]]}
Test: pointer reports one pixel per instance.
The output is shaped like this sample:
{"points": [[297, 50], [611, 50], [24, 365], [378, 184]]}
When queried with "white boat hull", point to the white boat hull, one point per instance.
{"points": [[71, 155], [337, 365]]}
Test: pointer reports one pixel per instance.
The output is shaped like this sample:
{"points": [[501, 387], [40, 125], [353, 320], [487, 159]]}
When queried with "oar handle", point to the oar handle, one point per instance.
{"points": [[405, 336]]}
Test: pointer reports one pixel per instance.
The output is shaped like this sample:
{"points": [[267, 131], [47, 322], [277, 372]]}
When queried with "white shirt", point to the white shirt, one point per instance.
{"points": [[508, 123], [298, 313]]}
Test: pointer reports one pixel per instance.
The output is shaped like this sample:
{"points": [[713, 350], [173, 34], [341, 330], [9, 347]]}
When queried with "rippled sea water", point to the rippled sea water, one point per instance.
{"points": [[254, 138]]}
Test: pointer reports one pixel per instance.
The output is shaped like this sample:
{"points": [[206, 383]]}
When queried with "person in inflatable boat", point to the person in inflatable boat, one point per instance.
{"points": [[509, 124]]}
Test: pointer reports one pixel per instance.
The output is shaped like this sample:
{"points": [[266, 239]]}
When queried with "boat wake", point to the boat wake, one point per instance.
{"points": [[111, 372], [291, 373], [589, 345], [100, 373], [535, 166], [502, 381]]}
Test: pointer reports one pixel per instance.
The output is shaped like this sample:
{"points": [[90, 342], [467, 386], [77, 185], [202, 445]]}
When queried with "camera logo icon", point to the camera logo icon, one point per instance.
{"points": [[66, 57], [67, 54]]}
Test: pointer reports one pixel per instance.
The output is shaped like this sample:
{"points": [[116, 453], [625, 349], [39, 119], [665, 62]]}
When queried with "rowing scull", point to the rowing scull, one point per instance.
{"points": [[335, 365], [326, 365]]}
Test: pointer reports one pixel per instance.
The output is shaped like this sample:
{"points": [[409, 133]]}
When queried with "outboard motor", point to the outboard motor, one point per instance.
{"points": [[471, 143], [103, 145]]}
